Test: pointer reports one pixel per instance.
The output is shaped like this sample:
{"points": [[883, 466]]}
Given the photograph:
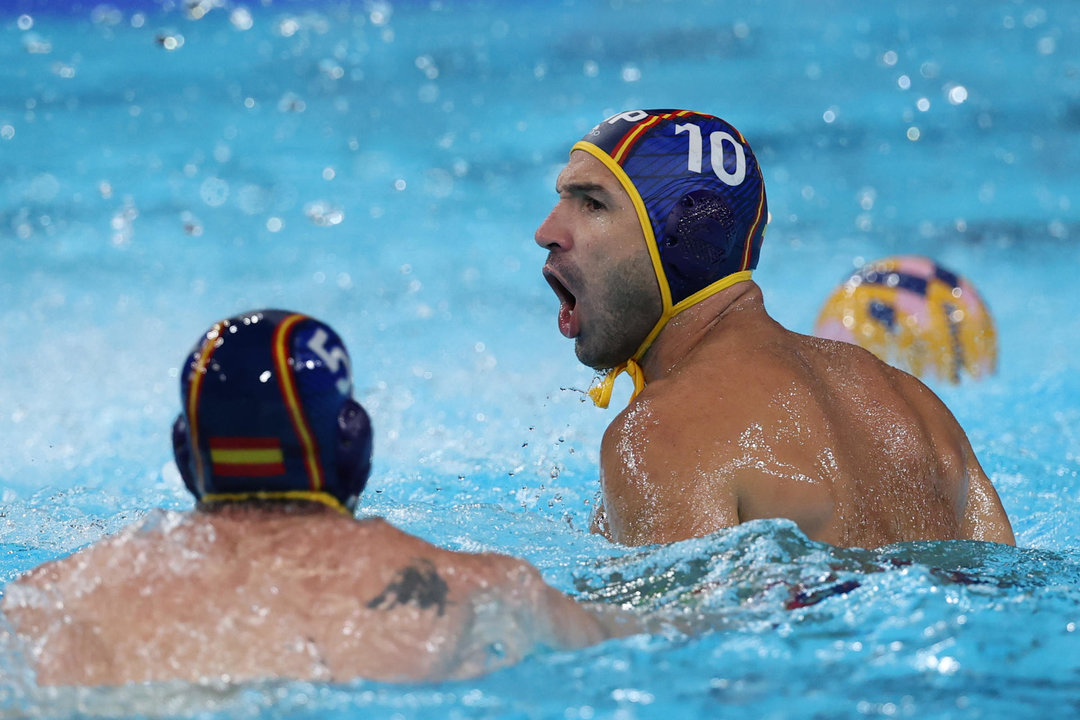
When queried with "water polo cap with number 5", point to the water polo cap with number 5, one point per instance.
{"points": [[269, 415]]}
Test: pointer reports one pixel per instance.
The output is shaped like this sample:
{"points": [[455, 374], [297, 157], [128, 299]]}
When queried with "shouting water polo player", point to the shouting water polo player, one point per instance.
{"points": [[651, 246]]}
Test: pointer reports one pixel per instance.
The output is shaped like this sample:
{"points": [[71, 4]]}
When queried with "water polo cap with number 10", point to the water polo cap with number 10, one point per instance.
{"points": [[700, 199]]}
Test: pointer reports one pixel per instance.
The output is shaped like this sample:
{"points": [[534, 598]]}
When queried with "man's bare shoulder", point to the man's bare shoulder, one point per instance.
{"points": [[711, 401], [687, 422], [202, 544], [663, 469], [676, 412]]}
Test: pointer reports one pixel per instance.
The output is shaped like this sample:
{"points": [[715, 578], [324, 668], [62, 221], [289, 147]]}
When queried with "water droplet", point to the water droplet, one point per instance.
{"points": [[214, 191], [241, 19], [170, 40], [323, 213], [957, 94]]}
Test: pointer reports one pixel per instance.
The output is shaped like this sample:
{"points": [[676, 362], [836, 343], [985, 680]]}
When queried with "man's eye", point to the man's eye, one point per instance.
{"points": [[591, 203]]}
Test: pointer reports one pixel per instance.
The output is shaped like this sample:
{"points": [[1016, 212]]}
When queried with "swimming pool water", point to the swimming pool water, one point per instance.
{"points": [[383, 166]]}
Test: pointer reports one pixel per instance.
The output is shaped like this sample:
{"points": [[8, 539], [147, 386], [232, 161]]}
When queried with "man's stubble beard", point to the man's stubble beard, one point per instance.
{"points": [[630, 306]]}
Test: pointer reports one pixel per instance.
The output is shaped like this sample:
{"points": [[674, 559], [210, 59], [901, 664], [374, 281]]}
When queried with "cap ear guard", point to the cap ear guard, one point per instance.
{"points": [[699, 244], [182, 454], [353, 464]]}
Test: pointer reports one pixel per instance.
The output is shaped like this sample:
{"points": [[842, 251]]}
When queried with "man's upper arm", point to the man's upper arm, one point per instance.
{"points": [[984, 517], [981, 514], [514, 607], [665, 478]]}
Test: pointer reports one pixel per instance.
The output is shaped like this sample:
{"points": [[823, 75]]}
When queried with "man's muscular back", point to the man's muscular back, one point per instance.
{"points": [[244, 595], [755, 421]]}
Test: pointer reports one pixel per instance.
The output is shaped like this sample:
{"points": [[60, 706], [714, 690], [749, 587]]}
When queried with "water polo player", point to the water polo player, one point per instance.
{"points": [[271, 575], [651, 247]]}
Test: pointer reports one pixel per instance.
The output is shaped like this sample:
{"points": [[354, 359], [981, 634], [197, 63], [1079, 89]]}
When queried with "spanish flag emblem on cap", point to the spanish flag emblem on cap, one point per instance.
{"points": [[246, 456]]}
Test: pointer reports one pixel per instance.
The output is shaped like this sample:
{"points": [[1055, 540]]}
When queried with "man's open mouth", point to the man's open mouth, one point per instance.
{"points": [[568, 321]]}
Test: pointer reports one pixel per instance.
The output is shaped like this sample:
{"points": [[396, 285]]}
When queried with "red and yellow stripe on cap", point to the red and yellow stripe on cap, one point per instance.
{"points": [[210, 343], [618, 154], [246, 456], [287, 384]]}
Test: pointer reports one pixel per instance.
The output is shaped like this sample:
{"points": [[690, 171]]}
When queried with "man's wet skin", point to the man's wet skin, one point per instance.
{"points": [[741, 418]]}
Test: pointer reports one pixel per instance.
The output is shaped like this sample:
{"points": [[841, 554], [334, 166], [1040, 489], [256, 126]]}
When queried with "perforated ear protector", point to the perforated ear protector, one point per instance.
{"points": [[354, 448]]}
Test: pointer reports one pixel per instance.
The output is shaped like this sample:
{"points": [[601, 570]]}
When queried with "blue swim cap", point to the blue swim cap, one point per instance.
{"points": [[700, 199], [268, 414], [698, 188]]}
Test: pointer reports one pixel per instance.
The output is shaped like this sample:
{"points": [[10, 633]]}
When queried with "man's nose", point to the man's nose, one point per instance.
{"points": [[552, 233]]}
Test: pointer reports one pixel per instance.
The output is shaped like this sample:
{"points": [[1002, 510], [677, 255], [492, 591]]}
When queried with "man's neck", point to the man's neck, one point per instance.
{"points": [[687, 330]]}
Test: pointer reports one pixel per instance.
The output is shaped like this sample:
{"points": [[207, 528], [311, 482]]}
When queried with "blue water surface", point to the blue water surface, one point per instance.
{"points": [[383, 165]]}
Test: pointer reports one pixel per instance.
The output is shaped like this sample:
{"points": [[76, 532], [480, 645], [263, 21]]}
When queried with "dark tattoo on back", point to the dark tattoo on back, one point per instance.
{"points": [[417, 583]]}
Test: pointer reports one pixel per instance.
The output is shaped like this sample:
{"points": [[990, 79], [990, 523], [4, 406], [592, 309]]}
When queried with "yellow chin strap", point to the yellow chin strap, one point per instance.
{"points": [[601, 391], [278, 496]]}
